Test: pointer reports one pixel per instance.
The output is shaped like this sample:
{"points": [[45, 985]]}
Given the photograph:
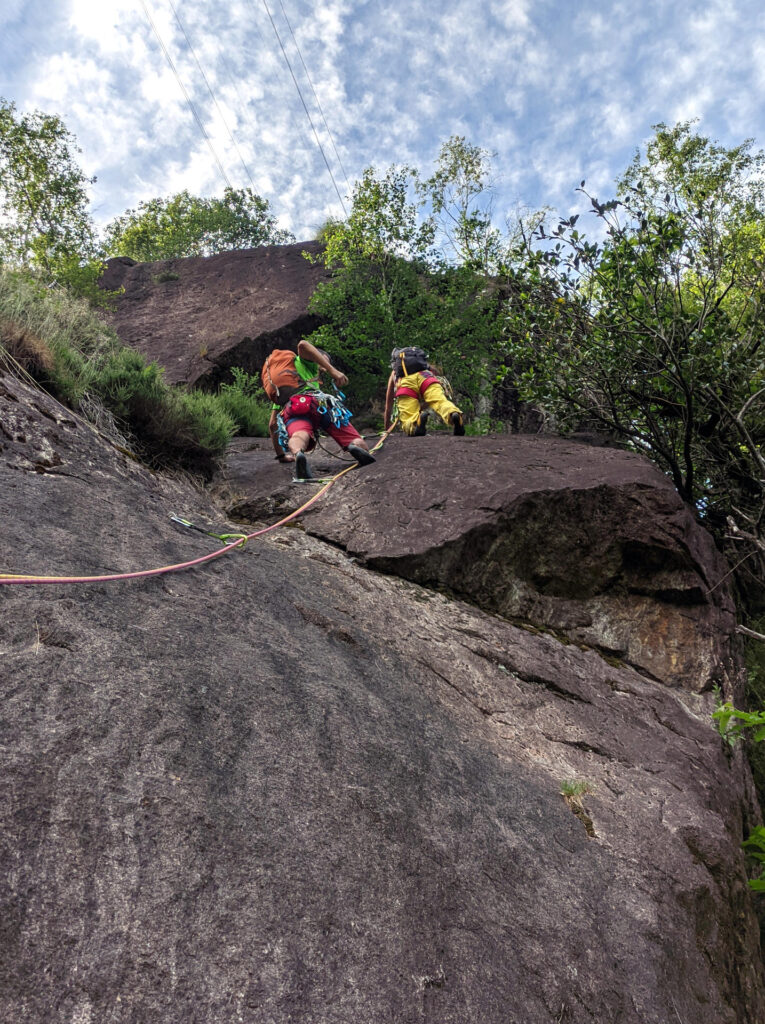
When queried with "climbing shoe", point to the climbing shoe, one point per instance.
{"points": [[302, 469], [422, 426], [361, 455], [456, 421]]}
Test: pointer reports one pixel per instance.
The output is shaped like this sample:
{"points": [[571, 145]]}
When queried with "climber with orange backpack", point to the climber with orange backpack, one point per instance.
{"points": [[412, 382], [301, 409]]}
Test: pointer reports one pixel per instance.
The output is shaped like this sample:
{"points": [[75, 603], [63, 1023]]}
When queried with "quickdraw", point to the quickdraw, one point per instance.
{"points": [[224, 538], [334, 406], [281, 433], [331, 405]]}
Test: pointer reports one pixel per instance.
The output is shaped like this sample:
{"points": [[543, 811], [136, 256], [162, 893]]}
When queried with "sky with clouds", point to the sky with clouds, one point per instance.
{"points": [[558, 90]]}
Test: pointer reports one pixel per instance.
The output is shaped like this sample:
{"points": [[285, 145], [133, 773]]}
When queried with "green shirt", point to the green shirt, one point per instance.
{"points": [[307, 372]]}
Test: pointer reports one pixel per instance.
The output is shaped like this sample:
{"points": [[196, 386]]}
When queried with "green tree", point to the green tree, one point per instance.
{"points": [[655, 333], [44, 220], [460, 193], [392, 286], [186, 225]]}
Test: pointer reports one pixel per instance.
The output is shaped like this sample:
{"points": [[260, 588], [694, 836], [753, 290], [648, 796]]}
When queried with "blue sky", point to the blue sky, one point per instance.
{"points": [[560, 91]]}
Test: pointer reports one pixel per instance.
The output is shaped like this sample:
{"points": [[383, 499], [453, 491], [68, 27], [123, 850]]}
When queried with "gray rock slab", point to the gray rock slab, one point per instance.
{"points": [[593, 543], [285, 787]]}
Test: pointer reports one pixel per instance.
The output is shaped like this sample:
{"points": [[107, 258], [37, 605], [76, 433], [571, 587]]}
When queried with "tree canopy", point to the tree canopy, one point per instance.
{"points": [[654, 331], [187, 225], [651, 330], [44, 219], [410, 268]]}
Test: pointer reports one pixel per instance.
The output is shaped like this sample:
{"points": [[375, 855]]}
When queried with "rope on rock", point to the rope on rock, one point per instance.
{"points": [[240, 540]]}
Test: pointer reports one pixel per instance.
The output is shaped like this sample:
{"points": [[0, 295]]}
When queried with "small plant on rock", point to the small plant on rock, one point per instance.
{"points": [[573, 790], [755, 847], [733, 723]]}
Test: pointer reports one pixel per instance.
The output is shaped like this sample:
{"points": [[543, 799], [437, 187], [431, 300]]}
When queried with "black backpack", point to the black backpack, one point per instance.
{"points": [[408, 360]]}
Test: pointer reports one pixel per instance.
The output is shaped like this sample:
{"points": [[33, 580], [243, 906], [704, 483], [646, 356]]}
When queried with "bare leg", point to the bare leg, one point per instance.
{"points": [[299, 441]]}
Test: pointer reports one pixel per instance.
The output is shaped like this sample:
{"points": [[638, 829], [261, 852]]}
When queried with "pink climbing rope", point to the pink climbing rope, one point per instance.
{"points": [[11, 579]]}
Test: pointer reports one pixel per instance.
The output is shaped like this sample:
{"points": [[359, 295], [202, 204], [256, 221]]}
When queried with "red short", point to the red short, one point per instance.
{"points": [[343, 435]]}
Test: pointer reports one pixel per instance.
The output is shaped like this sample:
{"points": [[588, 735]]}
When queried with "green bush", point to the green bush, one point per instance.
{"points": [[735, 725], [171, 425], [241, 401], [54, 314], [85, 359]]}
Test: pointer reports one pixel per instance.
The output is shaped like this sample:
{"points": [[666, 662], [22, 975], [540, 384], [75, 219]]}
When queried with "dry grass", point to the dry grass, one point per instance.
{"points": [[30, 352]]}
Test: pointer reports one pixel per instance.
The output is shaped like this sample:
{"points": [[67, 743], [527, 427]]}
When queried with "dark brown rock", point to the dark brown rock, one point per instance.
{"points": [[593, 543], [199, 316], [288, 788]]}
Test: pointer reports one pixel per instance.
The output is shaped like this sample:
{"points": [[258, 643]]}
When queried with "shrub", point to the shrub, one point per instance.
{"points": [[734, 725], [241, 401], [53, 314], [60, 341], [171, 425], [25, 349]]}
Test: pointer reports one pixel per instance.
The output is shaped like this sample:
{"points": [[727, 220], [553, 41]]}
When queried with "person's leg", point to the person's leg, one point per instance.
{"points": [[344, 436], [350, 440], [436, 400], [301, 440], [300, 433], [408, 413]]}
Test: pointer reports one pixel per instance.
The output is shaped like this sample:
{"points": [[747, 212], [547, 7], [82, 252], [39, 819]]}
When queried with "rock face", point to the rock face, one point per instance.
{"points": [[593, 543], [199, 316], [287, 787]]}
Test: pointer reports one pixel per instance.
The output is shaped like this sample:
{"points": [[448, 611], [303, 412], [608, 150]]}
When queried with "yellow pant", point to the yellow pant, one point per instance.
{"points": [[409, 406]]}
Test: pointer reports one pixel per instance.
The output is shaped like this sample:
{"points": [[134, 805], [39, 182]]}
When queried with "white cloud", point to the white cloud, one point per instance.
{"points": [[560, 92], [512, 14], [10, 11]]}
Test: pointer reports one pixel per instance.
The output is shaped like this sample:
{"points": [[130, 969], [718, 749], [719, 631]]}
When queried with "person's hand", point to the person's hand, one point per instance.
{"points": [[286, 457], [338, 377]]}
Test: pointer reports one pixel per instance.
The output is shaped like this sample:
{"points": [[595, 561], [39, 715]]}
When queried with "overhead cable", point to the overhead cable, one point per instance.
{"points": [[212, 94], [307, 112], [318, 104], [297, 123], [193, 109]]}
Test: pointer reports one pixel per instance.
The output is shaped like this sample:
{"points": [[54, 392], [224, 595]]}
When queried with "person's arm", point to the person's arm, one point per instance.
{"points": [[273, 430], [389, 399], [310, 353]]}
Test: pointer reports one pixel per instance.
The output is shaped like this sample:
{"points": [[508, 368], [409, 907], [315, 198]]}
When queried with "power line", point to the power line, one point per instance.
{"points": [[298, 125], [212, 94], [193, 109], [318, 104], [300, 94]]}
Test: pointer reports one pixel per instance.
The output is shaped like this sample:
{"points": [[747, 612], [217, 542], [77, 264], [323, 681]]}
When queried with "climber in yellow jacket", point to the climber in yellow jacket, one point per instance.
{"points": [[413, 384]]}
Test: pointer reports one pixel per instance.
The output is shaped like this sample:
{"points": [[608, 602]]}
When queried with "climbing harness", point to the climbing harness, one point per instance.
{"points": [[329, 405], [239, 541]]}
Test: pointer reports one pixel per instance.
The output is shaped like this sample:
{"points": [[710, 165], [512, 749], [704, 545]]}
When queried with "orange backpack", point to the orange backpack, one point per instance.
{"points": [[279, 376]]}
